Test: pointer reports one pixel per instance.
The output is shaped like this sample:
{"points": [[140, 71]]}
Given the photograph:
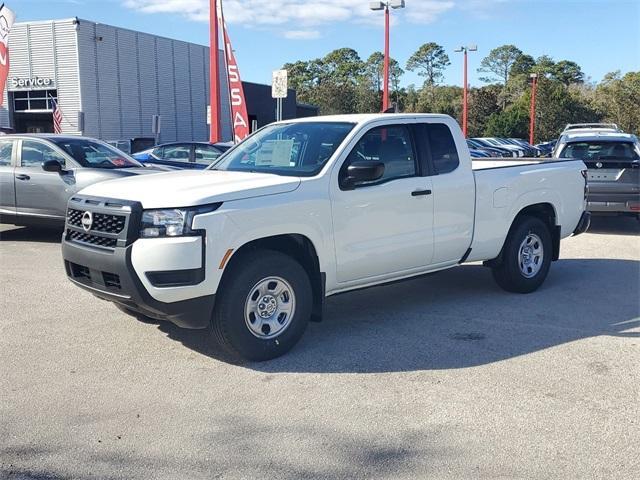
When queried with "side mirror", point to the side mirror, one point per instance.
{"points": [[52, 166], [362, 172]]}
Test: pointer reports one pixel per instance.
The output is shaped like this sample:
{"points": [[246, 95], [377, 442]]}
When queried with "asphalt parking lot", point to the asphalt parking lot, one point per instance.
{"points": [[441, 377]]}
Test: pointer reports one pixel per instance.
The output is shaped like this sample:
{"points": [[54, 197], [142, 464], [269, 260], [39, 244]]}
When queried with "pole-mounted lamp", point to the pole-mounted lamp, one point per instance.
{"points": [[395, 4]]}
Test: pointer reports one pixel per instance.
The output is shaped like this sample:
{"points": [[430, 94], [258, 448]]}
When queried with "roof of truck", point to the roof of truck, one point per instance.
{"points": [[365, 117]]}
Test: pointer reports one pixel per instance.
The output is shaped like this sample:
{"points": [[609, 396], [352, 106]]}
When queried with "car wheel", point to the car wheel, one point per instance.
{"points": [[526, 257], [263, 306]]}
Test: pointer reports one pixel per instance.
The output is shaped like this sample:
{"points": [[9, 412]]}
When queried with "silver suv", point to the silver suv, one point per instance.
{"points": [[39, 173], [613, 161]]}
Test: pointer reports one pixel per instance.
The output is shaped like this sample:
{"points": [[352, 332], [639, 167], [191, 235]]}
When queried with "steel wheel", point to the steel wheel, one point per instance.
{"points": [[269, 307], [530, 255]]}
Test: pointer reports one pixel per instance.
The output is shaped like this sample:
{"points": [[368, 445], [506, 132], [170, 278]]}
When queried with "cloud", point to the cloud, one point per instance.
{"points": [[301, 34], [297, 13]]}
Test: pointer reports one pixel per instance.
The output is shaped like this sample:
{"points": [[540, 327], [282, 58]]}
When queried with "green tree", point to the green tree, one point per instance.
{"points": [[568, 72], [375, 70], [429, 60], [483, 102], [618, 99], [499, 63], [523, 65]]}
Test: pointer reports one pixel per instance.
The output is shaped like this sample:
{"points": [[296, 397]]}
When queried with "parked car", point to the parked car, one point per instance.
{"points": [[479, 153], [309, 208], [530, 150], [613, 160], [192, 155], [546, 148], [133, 145], [490, 151], [39, 173], [482, 143], [501, 142]]}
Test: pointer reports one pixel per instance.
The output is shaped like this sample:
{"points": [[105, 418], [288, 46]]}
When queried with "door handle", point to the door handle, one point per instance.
{"points": [[419, 193], [22, 176]]}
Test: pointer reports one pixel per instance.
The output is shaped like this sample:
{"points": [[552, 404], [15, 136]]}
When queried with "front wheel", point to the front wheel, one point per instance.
{"points": [[263, 306], [526, 257]]}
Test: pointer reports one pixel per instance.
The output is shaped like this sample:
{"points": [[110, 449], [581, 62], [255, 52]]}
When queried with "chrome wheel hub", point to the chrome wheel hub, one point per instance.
{"points": [[269, 307], [530, 255]]}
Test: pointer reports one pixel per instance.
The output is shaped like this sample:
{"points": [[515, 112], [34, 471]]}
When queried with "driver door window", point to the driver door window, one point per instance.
{"points": [[390, 145], [33, 154]]}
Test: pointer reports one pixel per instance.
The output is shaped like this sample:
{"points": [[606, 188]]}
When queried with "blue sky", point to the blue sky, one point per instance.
{"points": [[600, 35]]}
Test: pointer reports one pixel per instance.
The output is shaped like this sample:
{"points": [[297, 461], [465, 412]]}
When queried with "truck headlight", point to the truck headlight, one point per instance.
{"points": [[171, 222]]}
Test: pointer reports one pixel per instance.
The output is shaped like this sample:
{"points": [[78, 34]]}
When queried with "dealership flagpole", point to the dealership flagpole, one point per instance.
{"points": [[214, 74]]}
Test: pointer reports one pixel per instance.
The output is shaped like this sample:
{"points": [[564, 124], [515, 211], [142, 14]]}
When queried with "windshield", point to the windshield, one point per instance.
{"points": [[295, 149], [600, 151], [93, 154]]}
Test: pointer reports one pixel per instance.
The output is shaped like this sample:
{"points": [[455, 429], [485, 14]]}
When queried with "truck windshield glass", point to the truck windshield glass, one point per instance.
{"points": [[600, 151], [296, 149], [92, 154]]}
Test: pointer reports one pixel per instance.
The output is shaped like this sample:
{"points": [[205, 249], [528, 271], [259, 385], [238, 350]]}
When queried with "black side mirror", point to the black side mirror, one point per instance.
{"points": [[362, 172], [52, 166]]}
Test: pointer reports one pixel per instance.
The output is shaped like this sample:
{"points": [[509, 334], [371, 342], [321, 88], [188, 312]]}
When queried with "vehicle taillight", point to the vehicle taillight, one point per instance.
{"points": [[584, 174], [586, 185]]}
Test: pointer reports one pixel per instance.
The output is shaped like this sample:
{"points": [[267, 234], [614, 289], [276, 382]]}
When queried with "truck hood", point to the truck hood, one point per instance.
{"points": [[192, 188]]}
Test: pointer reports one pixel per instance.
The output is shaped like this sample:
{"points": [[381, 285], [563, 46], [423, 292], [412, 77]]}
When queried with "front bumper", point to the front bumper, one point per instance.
{"points": [[110, 275]]}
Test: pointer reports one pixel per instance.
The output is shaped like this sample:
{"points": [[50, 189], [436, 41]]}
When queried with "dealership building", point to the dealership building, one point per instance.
{"points": [[110, 82]]}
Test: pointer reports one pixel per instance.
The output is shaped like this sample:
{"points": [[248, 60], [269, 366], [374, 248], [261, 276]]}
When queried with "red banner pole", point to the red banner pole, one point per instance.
{"points": [[214, 74]]}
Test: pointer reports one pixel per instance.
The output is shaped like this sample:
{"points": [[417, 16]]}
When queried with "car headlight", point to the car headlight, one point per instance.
{"points": [[171, 222]]}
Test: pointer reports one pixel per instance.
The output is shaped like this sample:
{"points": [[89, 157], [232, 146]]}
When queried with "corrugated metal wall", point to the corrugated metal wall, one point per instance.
{"points": [[127, 77], [46, 50]]}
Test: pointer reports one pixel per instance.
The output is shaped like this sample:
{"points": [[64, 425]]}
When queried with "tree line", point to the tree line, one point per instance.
{"points": [[342, 82]]}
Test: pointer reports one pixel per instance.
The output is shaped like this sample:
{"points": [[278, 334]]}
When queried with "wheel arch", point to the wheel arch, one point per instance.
{"points": [[545, 212], [300, 248]]}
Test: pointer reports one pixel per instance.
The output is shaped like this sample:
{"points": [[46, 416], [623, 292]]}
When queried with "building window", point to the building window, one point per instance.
{"points": [[34, 100]]}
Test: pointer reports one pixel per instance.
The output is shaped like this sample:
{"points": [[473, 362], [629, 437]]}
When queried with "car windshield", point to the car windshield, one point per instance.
{"points": [[600, 151], [93, 154], [295, 149]]}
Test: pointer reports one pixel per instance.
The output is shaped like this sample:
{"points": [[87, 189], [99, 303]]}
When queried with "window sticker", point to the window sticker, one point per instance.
{"points": [[275, 153]]}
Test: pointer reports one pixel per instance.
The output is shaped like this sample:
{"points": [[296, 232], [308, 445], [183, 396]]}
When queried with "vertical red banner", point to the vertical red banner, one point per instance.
{"points": [[239, 116], [7, 18]]}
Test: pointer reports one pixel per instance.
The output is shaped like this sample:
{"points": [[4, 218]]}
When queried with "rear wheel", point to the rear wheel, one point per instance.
{"points": [[526, 257], [263, 306]]}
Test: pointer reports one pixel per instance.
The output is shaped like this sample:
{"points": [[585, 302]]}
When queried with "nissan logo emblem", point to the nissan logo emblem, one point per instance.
{"points": [[87, 221], [599, 164]]}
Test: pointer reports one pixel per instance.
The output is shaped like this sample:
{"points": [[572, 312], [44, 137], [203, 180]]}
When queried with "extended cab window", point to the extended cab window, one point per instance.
{"points": [[34, 153], [390, 145], [443, 148]]}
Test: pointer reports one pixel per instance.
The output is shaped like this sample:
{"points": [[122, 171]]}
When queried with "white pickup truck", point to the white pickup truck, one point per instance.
{"points": [[305, 209]]}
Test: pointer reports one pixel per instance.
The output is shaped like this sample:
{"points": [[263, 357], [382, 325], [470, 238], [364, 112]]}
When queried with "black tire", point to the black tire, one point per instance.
{"points": [[229, 326], [508, 273]]}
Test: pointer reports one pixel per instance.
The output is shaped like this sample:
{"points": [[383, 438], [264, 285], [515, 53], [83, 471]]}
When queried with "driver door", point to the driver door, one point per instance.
{"points": [[40, 193], [383, 229]]}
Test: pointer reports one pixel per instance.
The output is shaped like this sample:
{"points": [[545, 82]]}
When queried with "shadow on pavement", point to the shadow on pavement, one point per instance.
{"points": [[30, 234], [609, 225], [230, 438], [457, 319]]}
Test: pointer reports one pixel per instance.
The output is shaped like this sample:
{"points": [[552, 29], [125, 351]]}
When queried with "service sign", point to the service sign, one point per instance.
{"points": [[32, 83]]}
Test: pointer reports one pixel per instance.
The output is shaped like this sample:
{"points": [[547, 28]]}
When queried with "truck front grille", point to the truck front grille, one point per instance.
{"points": [[101, 222], [111, 223]]}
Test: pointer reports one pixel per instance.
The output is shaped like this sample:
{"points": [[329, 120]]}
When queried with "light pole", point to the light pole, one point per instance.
{"points": [[465, 90], [385, 6], [532, 113]]}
